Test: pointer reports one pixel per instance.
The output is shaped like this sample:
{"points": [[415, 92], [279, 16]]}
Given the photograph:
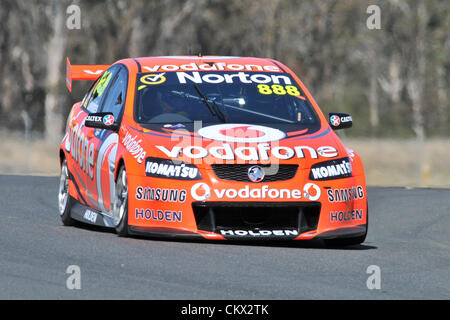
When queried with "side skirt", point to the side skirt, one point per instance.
{"points": [[85, 214]]}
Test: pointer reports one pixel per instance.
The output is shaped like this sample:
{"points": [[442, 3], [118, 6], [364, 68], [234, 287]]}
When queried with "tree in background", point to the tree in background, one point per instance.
{"points": [[393, 80]]}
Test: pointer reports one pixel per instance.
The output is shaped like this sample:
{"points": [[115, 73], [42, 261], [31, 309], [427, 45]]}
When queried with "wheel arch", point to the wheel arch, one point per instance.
{"points": [[62, 156], [357, 164], [120, 163]]}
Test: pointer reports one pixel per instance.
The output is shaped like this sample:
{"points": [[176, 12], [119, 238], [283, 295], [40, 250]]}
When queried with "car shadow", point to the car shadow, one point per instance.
{"points": [[93, 228]]}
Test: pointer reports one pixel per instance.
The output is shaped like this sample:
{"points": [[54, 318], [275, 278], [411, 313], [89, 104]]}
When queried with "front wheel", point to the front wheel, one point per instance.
{"points": [[120, 205]]}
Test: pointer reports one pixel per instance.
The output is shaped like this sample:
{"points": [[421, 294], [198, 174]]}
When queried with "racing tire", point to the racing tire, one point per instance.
{"points": [[120, 206], [342, 242], [64, 198]]}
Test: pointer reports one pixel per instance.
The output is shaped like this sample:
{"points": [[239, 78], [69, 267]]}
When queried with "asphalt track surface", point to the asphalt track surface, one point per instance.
{"points": [[408, 240]]}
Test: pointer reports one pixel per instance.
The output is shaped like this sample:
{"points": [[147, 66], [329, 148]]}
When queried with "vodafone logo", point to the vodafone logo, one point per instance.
{"points": [[260, 152], [200, 191], [241, 133], [311, 191]]}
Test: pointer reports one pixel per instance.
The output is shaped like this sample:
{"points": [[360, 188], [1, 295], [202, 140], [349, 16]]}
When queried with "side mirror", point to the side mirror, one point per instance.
{"points": [[101, 120], [340, 120]]}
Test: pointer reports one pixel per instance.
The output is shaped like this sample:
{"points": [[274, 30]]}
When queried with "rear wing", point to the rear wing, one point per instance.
{"points": [[83, 72]]}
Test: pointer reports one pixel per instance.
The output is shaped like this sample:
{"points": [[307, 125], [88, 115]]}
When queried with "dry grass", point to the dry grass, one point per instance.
{"points": [[386, 162], [397, 162], [37, 158]]}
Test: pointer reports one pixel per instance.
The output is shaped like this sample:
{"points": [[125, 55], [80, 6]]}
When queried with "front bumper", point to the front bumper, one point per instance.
{"points": [[169, 208]]}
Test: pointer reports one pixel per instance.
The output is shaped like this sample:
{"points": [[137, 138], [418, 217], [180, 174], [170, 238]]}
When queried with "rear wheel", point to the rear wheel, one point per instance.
{"points": [[120, 205], [349, 241], [64, 198]]}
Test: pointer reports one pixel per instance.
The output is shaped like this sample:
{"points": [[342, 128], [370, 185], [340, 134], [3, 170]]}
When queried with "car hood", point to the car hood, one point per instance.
{"points": [[230, 143]]}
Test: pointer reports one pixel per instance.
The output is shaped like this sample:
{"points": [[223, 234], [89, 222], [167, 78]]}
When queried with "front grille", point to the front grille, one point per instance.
{"points": [[239, 172], [256, 216]]}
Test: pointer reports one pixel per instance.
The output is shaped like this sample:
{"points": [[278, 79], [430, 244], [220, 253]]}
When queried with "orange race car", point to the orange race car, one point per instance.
{"points": [[210, 147]]}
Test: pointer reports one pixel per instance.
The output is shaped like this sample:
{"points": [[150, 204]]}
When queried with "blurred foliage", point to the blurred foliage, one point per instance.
{"points": [[393, 80]]}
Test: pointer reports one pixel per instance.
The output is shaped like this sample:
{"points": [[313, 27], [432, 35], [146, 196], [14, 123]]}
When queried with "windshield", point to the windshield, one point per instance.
{"points": [[216, 97]]}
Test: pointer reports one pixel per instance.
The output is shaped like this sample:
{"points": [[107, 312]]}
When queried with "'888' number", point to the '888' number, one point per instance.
{"points": [[278, 89]]}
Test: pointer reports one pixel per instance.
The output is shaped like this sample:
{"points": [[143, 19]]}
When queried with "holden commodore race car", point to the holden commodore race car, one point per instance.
{"points": [[209, 147]]}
